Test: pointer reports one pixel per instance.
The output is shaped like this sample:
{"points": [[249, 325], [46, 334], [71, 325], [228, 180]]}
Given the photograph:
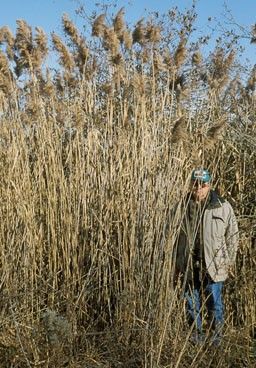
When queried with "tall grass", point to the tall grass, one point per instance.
{"points": [[93, 160]]}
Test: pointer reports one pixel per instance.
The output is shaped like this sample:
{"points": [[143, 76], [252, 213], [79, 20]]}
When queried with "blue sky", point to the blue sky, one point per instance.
{"points": [[47, 13]]}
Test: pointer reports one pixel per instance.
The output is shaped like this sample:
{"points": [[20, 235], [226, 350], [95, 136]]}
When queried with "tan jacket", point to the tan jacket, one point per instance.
{"points": [[220, 240]]}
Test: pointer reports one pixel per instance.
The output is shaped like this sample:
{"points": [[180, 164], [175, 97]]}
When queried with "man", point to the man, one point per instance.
{"points": [[206, 251]]}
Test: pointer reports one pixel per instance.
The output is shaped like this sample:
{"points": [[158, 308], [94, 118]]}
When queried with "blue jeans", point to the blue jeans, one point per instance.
{"points": [[212, 292]]}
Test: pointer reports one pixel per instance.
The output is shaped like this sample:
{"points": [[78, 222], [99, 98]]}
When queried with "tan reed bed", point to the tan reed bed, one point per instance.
{"points": [[93, 160]]}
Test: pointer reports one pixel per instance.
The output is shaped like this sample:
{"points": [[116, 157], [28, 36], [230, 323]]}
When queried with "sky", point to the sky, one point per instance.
{"points": [[47, 13]]}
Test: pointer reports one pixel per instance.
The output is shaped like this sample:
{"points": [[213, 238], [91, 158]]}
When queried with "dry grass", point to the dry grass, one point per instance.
{"points": [[93, 160]]}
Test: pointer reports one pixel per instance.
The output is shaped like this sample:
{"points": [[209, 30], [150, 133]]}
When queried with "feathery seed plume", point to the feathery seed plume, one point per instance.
{"points": [[180, 54], [79, 42], [24, 46], [179, 82], [158, 63], [213, 135], [41, 41], [127, 39], [4, 64], [70, 29], [153, 33], [117, 59], [168, 58], [65, 57], [40, 49], [138, 34], [99, 26], [253, 34], [218, 61], [23, 40], [82, 55], [216, 131], [138, 83], [1, 36], [179, 131], [220, 68], [234, 86], [119, 25], [69, 79], [6, 36], [144, 55], [5, 74], [196, 58], [47, 85], [107, 88], [229, 60], [251, 83], [59, 83], [110, 41]]}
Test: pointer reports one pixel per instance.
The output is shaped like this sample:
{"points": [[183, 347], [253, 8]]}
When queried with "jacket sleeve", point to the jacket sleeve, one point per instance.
{"points": [[232, 235]]}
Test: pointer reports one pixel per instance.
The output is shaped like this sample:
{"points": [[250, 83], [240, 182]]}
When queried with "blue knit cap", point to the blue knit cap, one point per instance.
{"points": [[201, 175]]}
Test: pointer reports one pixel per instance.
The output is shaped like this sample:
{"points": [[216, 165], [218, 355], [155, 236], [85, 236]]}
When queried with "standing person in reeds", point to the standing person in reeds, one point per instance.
{"points": [[206, 252]]}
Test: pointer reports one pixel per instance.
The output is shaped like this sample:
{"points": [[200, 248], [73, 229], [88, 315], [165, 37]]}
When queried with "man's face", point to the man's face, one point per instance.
{"points": [[200, 190]]}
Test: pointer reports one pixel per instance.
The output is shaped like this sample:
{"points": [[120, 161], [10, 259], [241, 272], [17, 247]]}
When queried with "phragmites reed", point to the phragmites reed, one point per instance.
{"points": [[179, 131], [159, 64], [41, 41], [234, 87], [127, 39], [7, 37], [41, 48], [251, 83], [24, 46], [119, 25], [138, 82], [180, 87], [23, 40], [70, 79], [168, 58], [99, 26], [5, 74], [78, 40], [216, 131], [153, 33], [220, 67], [47, 85], [59, 84], [196, 58], [218, 58], [66, 59], [179, 82], [94, 166], [253, 34], [4, 64], [180, 54], [229, 59], [117, 59], [213, 135], [138, 34], [82, 55], [144, 54], [29, 52], [70, 29], [1, 35], [110, 41]]}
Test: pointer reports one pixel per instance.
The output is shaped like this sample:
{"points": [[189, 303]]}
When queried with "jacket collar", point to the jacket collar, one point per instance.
{"points": [[215, 201]]}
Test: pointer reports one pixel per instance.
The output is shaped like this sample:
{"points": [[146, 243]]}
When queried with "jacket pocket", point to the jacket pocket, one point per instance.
{"points": [[219, 227]]}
